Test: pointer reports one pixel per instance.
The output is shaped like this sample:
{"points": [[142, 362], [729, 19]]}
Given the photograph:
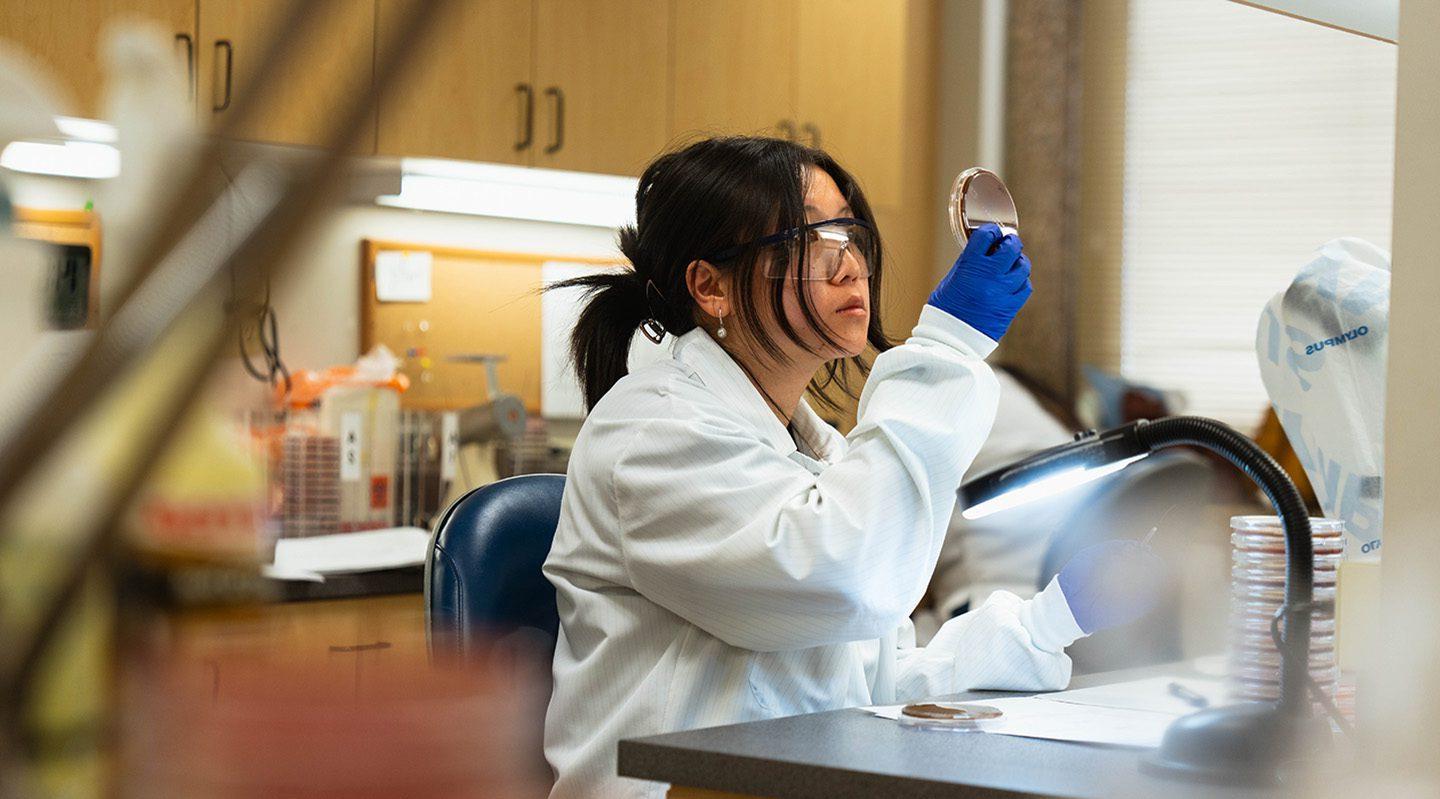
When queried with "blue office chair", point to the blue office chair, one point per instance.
{"points": [[482, 573]]}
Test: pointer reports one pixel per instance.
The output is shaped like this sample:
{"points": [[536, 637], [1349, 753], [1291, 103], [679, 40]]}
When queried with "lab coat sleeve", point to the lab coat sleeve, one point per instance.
{"points": [[745, 543], [1008, 643]]}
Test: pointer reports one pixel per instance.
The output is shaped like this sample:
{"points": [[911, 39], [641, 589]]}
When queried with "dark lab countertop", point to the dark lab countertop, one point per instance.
{"points": [[850, 753], [407, 580]]}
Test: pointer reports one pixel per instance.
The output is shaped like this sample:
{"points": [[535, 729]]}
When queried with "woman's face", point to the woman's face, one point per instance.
{"points": [[841, 304]]}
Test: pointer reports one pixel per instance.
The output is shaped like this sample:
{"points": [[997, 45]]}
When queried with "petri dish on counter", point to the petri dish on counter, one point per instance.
{"points": [[949, 715]]}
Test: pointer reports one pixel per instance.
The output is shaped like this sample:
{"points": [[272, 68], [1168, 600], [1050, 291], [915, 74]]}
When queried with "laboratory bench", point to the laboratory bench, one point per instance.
{"points": [[363, 629], [383, 582], [363, 642], [851, 753]]}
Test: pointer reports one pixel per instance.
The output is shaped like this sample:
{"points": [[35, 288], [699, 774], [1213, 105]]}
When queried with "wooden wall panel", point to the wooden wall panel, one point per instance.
{"points": [[1042, 125]]}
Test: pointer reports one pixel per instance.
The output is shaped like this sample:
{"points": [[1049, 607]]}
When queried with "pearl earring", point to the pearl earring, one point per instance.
{"points": [[720, 332]]}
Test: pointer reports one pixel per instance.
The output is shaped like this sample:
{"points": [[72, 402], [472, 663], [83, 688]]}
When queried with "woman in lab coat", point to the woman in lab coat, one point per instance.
{"points": [[724, 555]]}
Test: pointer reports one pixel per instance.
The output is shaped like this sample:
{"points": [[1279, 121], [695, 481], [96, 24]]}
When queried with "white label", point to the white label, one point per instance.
{"points": [[449, 444], [352, 438], [402, 276]]}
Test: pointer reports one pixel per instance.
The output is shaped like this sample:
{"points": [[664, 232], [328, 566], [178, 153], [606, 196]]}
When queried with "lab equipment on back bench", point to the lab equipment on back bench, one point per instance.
{"points": [[1321, 346], [501, 417]]}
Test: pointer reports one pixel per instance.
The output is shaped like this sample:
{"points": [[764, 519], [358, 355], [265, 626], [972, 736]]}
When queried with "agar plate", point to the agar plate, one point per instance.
{"points": [[949, 715]]}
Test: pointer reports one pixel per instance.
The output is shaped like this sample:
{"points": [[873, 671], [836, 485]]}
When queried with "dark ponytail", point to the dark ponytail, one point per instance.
{"points": [[691, 203], [600, 345]]}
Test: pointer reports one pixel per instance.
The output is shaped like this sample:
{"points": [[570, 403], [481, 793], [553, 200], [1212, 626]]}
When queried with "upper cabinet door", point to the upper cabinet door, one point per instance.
{"points": [[64, 38], [469, 93], [852, 71], [734, 69], [601, 83], [333, 64]]}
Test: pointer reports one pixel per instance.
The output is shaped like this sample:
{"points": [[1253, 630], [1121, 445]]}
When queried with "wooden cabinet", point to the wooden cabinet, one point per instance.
{"points": [[470, 94], [587, 86], [551, 83], [353, 647], [831, 73], [64, 38], [219, 43], [852, 84], [601, 70], [734, 68], [335, 63]]}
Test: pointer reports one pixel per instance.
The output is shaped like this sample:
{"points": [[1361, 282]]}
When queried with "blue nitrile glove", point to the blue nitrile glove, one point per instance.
{"points": [[1112, 583], [985, 289]]}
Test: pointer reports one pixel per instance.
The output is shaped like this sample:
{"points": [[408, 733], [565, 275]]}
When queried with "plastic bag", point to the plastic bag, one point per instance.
{"points": [[379, 367], [1321, 346]]}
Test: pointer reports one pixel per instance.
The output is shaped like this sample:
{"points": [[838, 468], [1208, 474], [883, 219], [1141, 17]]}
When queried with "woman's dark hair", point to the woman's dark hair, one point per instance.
{"points": [[703, 199]]}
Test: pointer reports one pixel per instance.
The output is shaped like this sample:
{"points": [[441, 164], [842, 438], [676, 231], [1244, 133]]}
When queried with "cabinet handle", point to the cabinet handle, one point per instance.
{"points": [[788, 128], [361, 647], [813, 131], [559, 140], [184, 38], [229, 68], [527, 115]]}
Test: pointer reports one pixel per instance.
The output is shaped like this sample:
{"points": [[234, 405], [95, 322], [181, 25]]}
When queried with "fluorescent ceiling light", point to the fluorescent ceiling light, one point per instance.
{"points": [[514, 192], [1047, 486], [84, 150], [77, 129], [71, 159]]}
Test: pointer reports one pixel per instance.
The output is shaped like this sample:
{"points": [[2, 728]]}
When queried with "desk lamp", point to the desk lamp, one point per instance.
{"points": [[1246, 742]]}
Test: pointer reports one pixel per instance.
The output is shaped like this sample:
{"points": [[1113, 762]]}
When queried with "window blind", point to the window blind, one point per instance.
{"points": [[1250, 139]]}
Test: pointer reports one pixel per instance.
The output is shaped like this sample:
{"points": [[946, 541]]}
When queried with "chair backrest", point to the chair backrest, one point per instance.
{"points": [[483, 574], [1127, 506]]}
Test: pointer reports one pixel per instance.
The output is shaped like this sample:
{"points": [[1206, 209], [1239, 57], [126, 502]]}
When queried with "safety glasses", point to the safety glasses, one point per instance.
{"points": [[826, 244]]}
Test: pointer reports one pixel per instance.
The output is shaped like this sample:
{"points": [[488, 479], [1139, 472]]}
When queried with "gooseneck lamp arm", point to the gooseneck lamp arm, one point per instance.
{"points": [[1093, 455], [1247, 456]]}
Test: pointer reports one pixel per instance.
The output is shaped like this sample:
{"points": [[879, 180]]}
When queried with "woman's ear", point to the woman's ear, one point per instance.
{"points": [[710, 287]]}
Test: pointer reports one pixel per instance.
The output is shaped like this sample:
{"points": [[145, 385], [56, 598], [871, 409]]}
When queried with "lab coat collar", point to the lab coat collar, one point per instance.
{"points": [[721, 374]]}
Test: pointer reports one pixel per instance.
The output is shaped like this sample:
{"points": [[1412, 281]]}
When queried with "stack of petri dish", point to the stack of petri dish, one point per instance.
{"points": [[1257, 579], [309, 485]]}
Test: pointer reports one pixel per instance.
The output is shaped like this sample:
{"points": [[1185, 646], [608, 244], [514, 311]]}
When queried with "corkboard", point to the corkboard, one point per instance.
{"points": [[481, 302]]}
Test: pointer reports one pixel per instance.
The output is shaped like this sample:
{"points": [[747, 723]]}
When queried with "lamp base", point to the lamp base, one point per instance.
{"points": [[1252, 743]]}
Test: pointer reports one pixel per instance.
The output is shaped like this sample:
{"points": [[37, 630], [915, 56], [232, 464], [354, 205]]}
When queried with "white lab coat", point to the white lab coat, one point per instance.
{"points": [[707, 572], [1004, 551]]}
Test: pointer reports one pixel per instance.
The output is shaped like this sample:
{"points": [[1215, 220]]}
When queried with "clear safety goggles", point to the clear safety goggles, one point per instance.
{"points": [[826, 246]]}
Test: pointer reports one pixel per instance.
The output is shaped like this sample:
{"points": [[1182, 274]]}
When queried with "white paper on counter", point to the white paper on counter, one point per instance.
{"points": [[1033, 717], [1133, 714], [1152, 694], [343, 553], [291, 575]]}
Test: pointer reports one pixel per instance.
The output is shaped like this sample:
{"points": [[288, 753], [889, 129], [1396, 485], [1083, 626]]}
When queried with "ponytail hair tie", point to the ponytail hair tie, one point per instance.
{"points": [[651, 327]]}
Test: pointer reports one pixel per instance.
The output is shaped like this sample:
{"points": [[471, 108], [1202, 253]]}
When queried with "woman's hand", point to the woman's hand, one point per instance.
{"points": [[988, 284], [1112, 583]]}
